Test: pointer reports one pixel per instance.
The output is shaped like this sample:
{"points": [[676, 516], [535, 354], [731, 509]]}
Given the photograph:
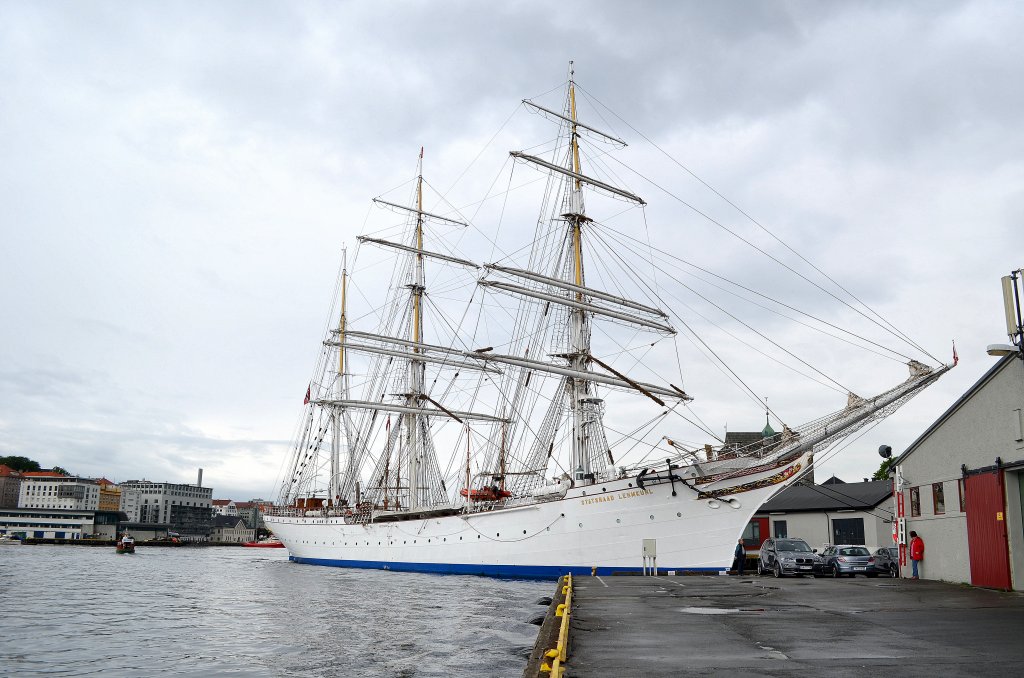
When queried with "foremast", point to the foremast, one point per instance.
{"points": [[341, 391]]}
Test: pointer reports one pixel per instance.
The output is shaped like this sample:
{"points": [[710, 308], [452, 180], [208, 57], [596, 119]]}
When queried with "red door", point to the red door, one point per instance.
{"points": [[986, 530]]}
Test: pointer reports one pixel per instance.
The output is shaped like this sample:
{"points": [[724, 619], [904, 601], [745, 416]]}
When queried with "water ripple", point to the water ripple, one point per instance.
{"points": [[237, 612]]}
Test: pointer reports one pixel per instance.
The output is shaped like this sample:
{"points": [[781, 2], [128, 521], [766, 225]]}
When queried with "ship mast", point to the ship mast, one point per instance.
{"points": [[340, 389], [416, 367], [579, 349]]}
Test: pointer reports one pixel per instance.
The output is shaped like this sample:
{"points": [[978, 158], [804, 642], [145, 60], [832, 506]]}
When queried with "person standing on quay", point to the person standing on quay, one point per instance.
{"points": [[741, 557], [916, 552]]}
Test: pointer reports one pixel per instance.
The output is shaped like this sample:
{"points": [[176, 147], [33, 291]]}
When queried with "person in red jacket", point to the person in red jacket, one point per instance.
{"points": [[916, 552]]}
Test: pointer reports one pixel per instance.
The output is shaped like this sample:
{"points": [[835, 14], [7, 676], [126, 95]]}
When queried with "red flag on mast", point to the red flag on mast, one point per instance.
{"points": [[306, 400], [956, 358]]}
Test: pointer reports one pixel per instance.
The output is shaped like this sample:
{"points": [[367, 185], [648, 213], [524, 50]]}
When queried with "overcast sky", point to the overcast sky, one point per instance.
{"points": [[177, 180]]}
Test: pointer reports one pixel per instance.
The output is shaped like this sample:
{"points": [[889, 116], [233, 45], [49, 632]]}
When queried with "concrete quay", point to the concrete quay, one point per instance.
{"points": [[709, 626]]}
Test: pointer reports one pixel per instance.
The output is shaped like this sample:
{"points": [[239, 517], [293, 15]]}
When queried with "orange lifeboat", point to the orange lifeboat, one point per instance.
{"points": [[485, 494]]}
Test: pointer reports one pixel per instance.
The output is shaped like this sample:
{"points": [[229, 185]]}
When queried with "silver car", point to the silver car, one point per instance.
{"points": [[849, 560]]}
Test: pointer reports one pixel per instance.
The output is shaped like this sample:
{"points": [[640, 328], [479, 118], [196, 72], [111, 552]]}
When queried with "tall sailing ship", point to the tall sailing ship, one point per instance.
{"points": [[452, 455]]}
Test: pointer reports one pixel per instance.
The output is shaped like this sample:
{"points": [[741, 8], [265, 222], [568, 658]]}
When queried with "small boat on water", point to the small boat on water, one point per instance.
{"points": [[270, 542], [126, 544], [8, 541]]}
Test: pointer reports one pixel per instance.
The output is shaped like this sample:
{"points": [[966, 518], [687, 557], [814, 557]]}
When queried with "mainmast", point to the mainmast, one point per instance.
{"points": [[416, 367], [579, 349], [566, 287]]}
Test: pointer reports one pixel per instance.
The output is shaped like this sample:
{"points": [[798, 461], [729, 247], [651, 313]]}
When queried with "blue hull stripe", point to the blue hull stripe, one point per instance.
{"points": [[509, 571]]}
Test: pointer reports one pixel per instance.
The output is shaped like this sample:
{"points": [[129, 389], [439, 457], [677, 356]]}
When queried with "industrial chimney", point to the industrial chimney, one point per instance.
{"points": [[199, 480]]}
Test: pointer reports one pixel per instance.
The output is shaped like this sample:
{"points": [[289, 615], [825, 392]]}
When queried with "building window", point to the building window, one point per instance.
{"points": [[915, 501], [781, 530], [938, 499], [960, 490], [848, 531]]}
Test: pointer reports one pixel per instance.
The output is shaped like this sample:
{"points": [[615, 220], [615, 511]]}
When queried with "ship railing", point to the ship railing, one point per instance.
{"points": [[285, 512], [557, 654]]}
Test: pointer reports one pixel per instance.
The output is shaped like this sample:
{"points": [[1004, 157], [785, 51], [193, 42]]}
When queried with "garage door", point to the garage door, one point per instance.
{"points": [[986, 530]]}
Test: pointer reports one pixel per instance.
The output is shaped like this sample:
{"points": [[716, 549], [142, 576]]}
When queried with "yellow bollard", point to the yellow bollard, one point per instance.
{"points": [[593, 572]]}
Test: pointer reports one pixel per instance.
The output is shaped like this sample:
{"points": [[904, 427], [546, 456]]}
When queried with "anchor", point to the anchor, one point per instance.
{"points": [[647, 477], [657, 479]]}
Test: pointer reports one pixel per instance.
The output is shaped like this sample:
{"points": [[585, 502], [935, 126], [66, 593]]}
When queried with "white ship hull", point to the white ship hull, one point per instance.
{"points": [[598, 526]]}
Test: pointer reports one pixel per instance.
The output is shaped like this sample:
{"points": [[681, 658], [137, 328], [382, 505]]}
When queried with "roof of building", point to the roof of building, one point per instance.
{"points": [[856, 496], [743, 438], [968, 394], [43, 474], [226, 521], [221, 502], [244, 504], [7, 471], [834, 481], [104, 481]]}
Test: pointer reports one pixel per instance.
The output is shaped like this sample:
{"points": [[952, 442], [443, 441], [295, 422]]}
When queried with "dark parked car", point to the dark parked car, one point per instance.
{"points": [[849, 560], [887, 561], [788, 556]]}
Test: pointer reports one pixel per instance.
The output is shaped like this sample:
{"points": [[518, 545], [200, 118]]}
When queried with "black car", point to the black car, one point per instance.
{"points": [[887, 561], [788, 556]]}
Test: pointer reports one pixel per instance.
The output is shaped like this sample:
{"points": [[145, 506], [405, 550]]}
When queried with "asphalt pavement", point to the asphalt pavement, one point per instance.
{"points": [[651, 627]]}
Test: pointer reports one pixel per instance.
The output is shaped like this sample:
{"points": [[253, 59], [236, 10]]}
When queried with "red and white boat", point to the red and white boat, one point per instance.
{"points": [[270, 542]]}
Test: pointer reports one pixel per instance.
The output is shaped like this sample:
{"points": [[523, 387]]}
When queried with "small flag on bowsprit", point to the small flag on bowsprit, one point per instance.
{"points": [[306, 400]]}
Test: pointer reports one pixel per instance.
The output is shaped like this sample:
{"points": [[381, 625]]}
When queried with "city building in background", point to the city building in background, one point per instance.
{"points": [[53, 490], [55, 523], [110, 495], [225, 507], [230, 530], [10, 486], [184, 509]]}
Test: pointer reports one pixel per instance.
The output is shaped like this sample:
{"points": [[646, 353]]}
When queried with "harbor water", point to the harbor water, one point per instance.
{"points": [[75, 610]]}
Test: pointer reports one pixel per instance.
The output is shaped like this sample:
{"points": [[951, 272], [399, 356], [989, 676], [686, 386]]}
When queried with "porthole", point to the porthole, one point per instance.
{"points": [[679, 515], [478, 536], [524, 531], [581, 524], [604, 489], [631, 484], [584, 493], [497, 534], [618, 520], [652, 517]]}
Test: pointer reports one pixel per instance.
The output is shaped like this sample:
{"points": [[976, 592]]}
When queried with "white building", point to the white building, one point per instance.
{"points": [[47, 523], [831, 513], [962, 484], [50, 490], [225, 507]]}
